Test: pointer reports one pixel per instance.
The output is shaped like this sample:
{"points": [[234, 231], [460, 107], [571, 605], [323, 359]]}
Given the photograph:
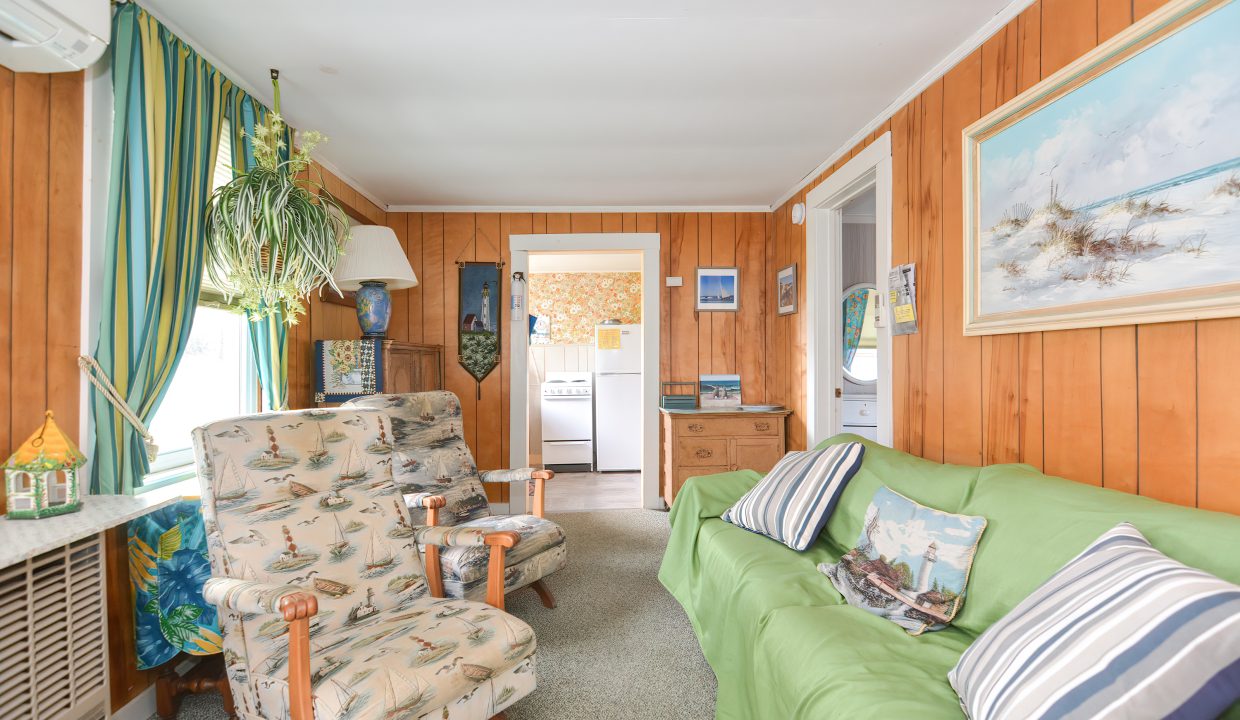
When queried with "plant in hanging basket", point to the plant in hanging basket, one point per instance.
{"points": [[274, 235]]}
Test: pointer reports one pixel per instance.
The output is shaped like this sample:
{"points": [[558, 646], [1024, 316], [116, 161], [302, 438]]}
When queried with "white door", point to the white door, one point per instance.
{"points": [[618, 422], [627, 358]]}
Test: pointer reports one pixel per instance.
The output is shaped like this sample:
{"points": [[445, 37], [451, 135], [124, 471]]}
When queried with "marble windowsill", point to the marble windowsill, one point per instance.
{"points": [[22, 539]]}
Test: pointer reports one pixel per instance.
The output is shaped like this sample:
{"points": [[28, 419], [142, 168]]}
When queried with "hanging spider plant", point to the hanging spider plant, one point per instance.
{"points": [[273, 234]]}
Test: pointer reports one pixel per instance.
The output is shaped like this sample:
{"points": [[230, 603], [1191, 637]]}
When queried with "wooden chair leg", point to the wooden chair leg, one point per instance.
{"points": [[544, 594]]}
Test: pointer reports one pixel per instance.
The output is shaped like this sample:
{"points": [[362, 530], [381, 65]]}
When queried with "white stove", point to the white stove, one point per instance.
{"points": [[568, 421]]}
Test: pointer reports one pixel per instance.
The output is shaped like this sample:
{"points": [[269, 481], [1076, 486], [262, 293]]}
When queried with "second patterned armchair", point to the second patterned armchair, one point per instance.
{"points": [[432, 458], [325, 612]]}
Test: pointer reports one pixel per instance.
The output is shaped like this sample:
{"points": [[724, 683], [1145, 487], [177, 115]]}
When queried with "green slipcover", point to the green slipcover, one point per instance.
{"points": [[783, 644]]}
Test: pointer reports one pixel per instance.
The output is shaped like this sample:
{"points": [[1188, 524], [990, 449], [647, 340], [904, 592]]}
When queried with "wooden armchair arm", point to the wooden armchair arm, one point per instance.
{"points": [[538, 490], [499, 542], [297, 609]]}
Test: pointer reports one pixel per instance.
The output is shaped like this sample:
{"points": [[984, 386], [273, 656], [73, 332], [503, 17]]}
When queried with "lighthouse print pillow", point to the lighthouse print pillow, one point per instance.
{"points": [[911, 563]]}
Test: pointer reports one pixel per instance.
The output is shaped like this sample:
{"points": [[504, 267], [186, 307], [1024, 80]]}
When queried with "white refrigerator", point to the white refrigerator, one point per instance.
{"points": [[618, 397]]}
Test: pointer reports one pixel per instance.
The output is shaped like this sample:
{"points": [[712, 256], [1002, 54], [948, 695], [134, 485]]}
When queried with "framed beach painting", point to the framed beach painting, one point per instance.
{"points": [[1110, 192], [718, 289]]}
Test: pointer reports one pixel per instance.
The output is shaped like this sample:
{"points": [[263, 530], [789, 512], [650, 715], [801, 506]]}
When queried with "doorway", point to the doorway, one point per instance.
{"points": [[848, 254], [584, 394]]}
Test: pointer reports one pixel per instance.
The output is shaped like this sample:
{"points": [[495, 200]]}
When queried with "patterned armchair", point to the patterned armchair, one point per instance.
{"points": [[432, 457], [325, 613]]}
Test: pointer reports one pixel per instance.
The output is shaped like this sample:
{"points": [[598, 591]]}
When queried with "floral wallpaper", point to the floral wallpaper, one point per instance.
{"points": [[575, 302]]}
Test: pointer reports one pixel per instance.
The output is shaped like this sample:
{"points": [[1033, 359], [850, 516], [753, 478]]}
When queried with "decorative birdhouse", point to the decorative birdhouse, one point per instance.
{"points": [[42, 475]]}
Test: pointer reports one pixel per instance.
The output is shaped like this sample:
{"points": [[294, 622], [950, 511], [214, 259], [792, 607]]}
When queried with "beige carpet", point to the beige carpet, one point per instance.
{"points": [[618, 647]]}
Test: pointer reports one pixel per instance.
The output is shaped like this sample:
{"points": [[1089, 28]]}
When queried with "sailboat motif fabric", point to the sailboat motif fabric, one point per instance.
{"points": [[432, 458], [307, 499]]}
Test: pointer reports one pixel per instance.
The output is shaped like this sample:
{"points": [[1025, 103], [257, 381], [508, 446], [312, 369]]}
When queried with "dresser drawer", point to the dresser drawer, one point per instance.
{"points": [[860, 412], [730, 426], [701, 451]]}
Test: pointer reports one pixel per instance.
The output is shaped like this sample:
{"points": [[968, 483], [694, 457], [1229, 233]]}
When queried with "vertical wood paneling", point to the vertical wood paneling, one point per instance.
{"points": [[6, 262], [432, 289], [915, 394], [398, 328], [488, 450], [750, 334], [1167, 411], [1218, 414], [683, 253], [930, 272], [31, 172], [1119, 408], [962, 402], [413, 228], [900, 211], [1072, 404], [723, 325], [705, 348]]}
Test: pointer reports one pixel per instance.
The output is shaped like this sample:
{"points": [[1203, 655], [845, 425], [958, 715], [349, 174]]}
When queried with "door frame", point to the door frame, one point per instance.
{"points": [[824, 324], [648, 244]]}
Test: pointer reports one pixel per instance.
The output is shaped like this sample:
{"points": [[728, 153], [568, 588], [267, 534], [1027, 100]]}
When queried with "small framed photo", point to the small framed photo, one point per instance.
{"points": [[718, 289], [786, 290], [719, 391]]}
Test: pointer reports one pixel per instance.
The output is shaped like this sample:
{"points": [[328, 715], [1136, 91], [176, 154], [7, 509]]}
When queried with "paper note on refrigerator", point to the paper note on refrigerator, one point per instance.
{"points": [[608, 339]]}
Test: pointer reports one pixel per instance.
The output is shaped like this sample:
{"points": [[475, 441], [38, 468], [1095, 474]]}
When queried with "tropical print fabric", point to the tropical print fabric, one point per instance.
{"points": [[431, 457], [854, 318], [167, 567], [574, 303], [307, 499], [910, 565], [1120, 627]]}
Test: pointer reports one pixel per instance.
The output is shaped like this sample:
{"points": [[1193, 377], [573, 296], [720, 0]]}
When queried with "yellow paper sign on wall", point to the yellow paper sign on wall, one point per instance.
{"points": [[608, 339], [904, 313]]}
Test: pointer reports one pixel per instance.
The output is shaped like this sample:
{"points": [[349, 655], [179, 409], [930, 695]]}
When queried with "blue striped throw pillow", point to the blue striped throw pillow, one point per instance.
{"points": [[1121, 631], [794, 500]]}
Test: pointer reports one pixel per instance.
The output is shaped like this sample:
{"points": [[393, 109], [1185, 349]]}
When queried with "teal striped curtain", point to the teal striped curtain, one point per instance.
{"points": [[268, 334], [169, 107]]}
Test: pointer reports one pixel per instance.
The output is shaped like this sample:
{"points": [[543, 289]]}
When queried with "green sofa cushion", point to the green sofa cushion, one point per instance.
{"points": [[1037, 523], [841, 662]]}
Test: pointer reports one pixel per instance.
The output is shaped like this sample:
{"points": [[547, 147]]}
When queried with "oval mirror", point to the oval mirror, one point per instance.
{"points": [[860, 346]]}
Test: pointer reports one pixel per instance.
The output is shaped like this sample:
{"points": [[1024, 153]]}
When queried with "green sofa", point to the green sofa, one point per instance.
{"points": [[784, 645]]}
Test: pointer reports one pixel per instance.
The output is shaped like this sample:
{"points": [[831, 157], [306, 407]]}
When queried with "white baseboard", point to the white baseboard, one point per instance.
{"points": [[143, 706], [499, 509]]}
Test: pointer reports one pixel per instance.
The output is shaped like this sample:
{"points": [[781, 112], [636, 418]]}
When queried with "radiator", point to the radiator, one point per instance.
{"points": [[53, 657]]}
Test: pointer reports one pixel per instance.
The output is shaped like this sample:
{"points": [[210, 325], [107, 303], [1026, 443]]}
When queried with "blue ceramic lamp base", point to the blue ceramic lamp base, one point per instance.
{"points": [[374, 309]]}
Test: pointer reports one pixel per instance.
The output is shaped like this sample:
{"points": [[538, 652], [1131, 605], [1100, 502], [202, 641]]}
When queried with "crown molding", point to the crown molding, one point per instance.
{"points": [[580, 208], [971, 43]]}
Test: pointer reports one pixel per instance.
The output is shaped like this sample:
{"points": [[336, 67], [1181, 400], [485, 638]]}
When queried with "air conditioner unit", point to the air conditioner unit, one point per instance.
{"points": [[53, 35]]}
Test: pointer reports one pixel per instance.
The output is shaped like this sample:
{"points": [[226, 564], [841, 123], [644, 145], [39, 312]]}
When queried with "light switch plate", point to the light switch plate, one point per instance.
{"points": [[675, 282]]}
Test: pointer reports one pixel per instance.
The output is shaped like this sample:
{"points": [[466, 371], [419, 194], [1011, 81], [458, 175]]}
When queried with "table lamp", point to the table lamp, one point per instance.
{"points": [[374, 263]]}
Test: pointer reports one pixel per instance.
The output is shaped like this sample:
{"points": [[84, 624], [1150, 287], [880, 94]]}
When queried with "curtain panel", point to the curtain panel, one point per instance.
{"points": [[169, 108]]}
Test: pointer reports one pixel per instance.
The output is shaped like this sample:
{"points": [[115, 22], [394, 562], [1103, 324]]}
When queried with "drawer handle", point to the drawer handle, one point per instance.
{"points": [[703, 453], [863, 412], [696, 427], [761, 426]]}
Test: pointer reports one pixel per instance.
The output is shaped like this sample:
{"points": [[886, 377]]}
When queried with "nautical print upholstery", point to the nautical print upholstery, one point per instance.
{"points": [[432, 457], [307, 500]]}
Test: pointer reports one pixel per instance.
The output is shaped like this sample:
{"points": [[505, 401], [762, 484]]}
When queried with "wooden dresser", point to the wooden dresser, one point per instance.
{"points": [[703, 442]]}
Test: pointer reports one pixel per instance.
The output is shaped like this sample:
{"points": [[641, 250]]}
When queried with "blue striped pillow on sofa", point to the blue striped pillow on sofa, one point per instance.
{"points": [[794, 500], [1121, 631]]}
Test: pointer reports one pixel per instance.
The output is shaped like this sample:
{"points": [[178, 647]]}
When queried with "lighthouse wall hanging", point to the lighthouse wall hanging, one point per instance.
{"points": [[478, 326], [41, 477]]}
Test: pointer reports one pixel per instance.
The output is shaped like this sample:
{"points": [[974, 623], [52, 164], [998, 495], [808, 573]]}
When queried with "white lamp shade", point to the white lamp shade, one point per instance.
{"points": [[373, 254]]}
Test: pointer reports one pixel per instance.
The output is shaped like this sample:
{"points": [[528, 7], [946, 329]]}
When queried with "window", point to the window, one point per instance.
{"points": [[216, 377]]}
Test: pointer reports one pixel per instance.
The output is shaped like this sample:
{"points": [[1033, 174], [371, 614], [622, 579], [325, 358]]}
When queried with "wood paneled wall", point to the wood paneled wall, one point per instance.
{"points": [[41, 156], [691, 343], [1147, 409]]}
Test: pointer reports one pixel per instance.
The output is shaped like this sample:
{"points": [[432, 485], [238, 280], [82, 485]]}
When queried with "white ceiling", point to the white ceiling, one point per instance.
{"points": [[544, 103]]}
